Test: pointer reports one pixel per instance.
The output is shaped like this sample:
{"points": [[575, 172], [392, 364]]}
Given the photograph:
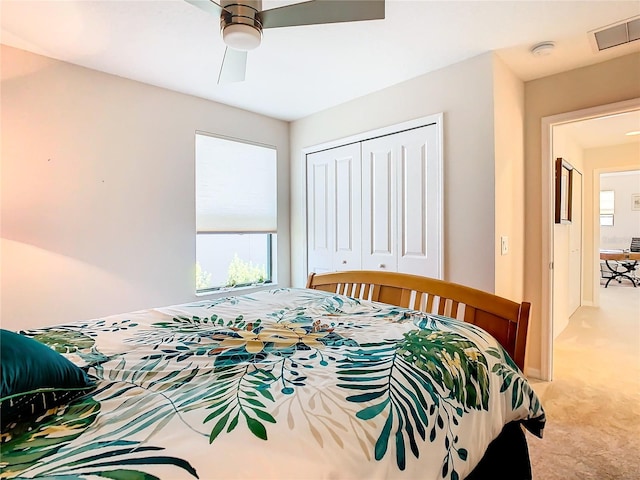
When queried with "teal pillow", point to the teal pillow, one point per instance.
{"points": [[35, 379]]}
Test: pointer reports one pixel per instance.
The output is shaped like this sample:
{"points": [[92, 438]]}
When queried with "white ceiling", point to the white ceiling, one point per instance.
{"points": [[603, 131], [298, 71]]}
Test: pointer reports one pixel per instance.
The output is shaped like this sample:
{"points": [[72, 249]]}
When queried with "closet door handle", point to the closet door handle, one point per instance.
{"points": [[344, 262]]}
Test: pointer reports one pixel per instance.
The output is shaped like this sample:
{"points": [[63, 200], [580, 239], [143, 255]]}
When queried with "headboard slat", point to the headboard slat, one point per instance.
{"points": [[507, 321]]}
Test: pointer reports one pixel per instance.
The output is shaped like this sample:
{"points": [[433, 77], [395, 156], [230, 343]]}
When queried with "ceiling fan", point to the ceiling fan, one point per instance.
{"points": [[242, 21]]}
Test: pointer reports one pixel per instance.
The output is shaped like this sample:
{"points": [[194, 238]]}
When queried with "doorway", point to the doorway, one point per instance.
{"points": [[589, 258]]}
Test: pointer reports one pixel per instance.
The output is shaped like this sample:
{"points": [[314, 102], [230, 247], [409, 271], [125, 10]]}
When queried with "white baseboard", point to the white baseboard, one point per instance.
{"points": [[533, 373]]}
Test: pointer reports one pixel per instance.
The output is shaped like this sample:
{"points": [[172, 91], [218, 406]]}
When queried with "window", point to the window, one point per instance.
{"points": [[607, 204], [236, 217]]}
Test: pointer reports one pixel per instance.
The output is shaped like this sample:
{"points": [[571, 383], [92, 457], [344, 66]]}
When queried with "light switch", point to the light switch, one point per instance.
{"points": [[504, 245]]}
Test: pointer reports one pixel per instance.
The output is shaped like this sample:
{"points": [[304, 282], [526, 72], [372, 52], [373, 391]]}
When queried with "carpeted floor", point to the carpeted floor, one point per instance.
{"points": [[593, 403]]}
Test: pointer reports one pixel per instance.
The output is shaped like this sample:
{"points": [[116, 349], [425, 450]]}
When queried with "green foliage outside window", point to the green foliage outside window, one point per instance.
{"points": [[243, 273], [203, 278], [239, 273]]}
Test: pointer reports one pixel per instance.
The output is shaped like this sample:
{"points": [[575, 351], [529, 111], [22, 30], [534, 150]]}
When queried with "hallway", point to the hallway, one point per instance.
{"points": [[593, 403]]}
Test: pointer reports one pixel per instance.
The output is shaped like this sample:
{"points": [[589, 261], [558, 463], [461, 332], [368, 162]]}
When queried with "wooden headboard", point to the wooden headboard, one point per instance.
{"points": [[505, 320]]}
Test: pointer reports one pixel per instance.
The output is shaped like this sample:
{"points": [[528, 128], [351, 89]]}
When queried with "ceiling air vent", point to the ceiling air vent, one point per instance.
{"points": [[618, 34]]}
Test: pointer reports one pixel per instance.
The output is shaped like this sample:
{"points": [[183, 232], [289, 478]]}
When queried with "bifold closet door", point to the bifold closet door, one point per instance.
{"points": [[402, 202], [334, 209], [379, 207]]}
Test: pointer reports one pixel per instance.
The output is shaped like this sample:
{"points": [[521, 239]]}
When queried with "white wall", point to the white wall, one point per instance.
{"points": [[464, 93], [508, 94], [626, 222], [98, 207], [565, 147]]}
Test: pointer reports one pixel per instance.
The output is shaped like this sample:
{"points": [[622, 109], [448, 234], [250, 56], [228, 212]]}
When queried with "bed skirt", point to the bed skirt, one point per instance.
{"points": [[506, 458]]}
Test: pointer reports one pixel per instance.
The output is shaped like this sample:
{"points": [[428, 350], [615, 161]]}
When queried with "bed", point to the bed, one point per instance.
{"points": [[348, 378]]}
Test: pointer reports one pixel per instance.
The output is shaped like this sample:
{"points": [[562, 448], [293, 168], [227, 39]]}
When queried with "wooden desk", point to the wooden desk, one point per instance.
{"points": [[627, 260], [618, 255]]}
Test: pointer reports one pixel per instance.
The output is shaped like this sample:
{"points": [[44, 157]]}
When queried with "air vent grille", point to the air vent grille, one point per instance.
{"points": [[619, 34]]}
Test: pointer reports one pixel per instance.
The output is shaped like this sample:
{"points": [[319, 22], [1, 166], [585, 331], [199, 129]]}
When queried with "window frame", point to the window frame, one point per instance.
{"points": [[268, 267], [607, 213], [271, 235]]}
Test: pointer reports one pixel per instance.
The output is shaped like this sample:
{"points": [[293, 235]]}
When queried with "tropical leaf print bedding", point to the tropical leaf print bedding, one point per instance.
{"points": [[287, 383]]}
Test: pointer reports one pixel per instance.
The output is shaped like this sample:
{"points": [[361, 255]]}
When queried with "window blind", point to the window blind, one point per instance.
{"points": [[606, 202], [236, 186]]}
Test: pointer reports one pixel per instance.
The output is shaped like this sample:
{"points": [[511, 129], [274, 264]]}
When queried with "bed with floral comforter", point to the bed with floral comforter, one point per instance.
{"points": [[279, 384]]}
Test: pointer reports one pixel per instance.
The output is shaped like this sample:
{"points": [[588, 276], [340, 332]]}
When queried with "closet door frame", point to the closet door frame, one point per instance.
{"points": [[435, 119]]}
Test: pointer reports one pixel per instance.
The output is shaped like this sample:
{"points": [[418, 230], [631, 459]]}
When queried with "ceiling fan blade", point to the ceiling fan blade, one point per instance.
{"points": [[234, 66], [323, 11], [208, 6]]}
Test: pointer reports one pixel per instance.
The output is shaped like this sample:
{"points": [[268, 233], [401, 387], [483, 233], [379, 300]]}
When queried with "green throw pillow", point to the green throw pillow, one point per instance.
{"points": [[34, 379]]}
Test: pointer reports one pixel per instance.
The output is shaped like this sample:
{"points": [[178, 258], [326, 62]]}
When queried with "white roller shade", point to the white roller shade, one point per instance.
{"points": [[236, 186], [607, 202]]}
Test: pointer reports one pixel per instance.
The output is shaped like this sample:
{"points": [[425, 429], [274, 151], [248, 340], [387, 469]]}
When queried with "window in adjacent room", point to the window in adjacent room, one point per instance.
{"points": [[235, 213], [607, 203]]}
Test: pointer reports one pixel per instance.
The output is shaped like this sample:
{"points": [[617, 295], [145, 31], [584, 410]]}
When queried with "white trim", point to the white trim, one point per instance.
{"points": [[379, 132], [595, 218], [226, 291], [440, 206], [235, 139], [611, 173], [546, 307], [533, 373], [436, 118]]}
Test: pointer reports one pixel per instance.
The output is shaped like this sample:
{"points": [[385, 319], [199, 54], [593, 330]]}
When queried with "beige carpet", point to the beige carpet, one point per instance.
{"points": [[593, 403]]}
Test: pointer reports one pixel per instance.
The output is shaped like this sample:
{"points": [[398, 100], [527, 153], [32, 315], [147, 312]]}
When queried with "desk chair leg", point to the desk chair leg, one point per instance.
{"points": [[618, 275], [628, 278]]}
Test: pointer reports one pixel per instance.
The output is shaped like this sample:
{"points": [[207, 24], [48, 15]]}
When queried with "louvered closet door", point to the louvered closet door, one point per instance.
{"points": [[334, 209], [402, 177]]}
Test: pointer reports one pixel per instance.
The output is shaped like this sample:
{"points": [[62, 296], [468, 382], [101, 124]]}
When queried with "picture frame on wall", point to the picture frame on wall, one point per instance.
{"points": [[564, 187], [635, 201]]}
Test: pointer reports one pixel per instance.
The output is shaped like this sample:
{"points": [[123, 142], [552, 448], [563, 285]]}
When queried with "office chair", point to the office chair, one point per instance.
{"points": [[632, 265]]}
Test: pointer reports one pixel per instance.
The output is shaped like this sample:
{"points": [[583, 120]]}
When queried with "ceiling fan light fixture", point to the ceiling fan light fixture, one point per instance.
{"points": [[241, 36], [242, 21]]}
